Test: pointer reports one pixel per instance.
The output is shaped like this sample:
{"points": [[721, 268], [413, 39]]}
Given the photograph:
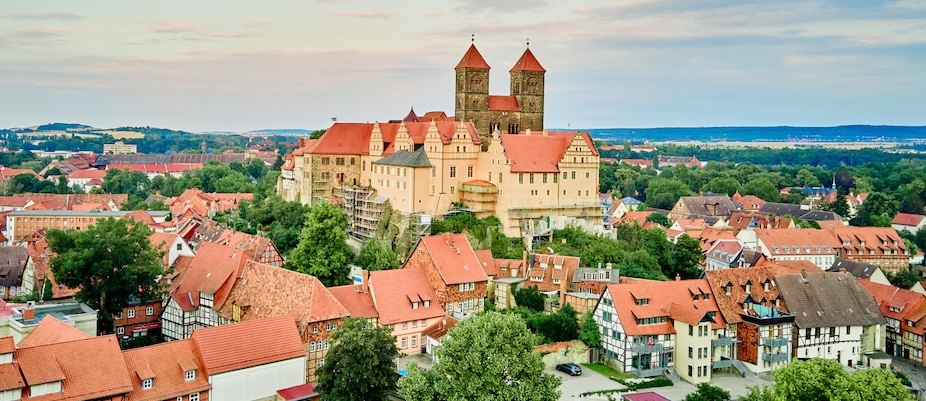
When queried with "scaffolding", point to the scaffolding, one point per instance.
{"points": [[364, 209]]}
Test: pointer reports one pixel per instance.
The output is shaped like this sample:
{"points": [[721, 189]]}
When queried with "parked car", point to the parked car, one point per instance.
{"points": [[570, 368]]}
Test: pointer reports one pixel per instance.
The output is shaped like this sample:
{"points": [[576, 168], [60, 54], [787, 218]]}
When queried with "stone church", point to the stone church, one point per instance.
{"points": [[520, 111]]}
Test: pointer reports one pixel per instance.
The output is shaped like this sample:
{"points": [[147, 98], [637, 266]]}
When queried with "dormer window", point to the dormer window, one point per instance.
{"points": [[748, 287], [414, 305], [765, 286], [642, 301], [694, 297], [729, 289], [147, 384], [190, 375], [557, 266], [544, 265], [427, 304]]}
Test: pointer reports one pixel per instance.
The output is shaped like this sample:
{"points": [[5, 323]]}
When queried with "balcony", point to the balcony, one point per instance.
{"points": [[647, 372], [722, 341], [723, 363], [646, 349], [779, 357], [775, 342]]}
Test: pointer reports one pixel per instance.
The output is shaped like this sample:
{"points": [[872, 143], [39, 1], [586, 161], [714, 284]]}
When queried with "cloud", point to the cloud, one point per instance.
{"points": [[174, 26], [52, 16], [228, 35], [258, 22], [366, 14], [506, 6]]}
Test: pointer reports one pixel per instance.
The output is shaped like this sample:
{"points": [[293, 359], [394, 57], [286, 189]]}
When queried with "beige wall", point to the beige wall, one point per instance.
{"points": [[697, 340]]}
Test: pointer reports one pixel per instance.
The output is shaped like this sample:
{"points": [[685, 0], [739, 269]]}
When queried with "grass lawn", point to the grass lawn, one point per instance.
{"points": [[607, 371]]}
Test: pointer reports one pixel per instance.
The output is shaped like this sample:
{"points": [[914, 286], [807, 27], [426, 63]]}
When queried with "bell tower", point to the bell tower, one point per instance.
{"points": [[527, 85], [472, 89]]}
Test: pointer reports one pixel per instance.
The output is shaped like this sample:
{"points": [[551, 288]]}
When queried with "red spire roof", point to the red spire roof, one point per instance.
{"points": [[472, 59], [527, 62], [411, 117]]}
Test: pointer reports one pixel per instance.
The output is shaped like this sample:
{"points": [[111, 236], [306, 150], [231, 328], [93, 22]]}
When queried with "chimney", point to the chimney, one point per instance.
{"points": [[29, 312], [528, 132], [365, 276], [678, 277], [543, 133]]}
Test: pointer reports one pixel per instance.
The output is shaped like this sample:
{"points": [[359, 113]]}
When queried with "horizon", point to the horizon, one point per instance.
{"points": [[643, 63]]}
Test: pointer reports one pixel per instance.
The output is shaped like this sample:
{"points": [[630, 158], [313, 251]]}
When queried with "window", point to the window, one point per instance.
{"points": [[832, 332], [544, 178], [404, 342], [532, 178], [315, 329], [339, 161], [404, 326], [469, 171], [149, 311], [180, 398], [331, 326], [453, 171], [120, 330], [848, 330], [427, 304], [586, 174], [690, 371], [321, 362], [147, 384], [606, 316], [414, 306], [118, 316], [573, 175], [179, 247], [520, 178], [691, 352], [131, 313], [190, 374], [424, 322], [195, 396], [325, 161], [453, 189], [499, 178], [691, 330], [414, 341]]}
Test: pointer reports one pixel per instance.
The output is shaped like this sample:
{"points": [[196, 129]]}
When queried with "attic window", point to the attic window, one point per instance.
{"points": [[694, 297], [190, 374], [729, 289], [414, 305], [748, 287], [765, 286], [544, 265], [642, 301], [147, 384], [427, 304]]}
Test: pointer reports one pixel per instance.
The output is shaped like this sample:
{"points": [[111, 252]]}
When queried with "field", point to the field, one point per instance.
{"points": [[123, 134]]}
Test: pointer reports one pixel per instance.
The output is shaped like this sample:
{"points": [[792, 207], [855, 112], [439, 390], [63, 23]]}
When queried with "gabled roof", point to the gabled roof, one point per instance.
{"points": [[13, 261], [67, 362], [51, 331], [544, 269], [540, 152], [395, 291], [236, 346], [472, 59], [440, 327], [503, 103], [404, 158], [732, 305], [857, 269], [213, 270], [894, 302], [487, 262], [10, 378], [266, 291], [454, 258], [869, 240], [823, 299], [89, 173], [781, 209], [357, 303], [798, 241], [662, 297], [527, 62], [725, 250], [703, 206], [907, 219], [167, 363]]}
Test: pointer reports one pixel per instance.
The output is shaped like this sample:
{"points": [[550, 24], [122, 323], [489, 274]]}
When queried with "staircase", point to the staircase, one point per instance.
{"points": [[671, 375], [741, 367]]}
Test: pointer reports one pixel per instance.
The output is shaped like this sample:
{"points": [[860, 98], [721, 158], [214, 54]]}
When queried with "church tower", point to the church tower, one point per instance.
{"points": [[527, 86], [472, 89]]}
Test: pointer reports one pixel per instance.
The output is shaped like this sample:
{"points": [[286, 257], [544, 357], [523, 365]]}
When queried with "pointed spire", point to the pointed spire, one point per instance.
{"points": [[527, 62], [411, 117], [472, 59]]}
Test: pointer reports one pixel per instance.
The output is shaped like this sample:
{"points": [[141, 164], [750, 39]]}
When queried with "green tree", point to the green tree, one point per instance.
{"points": [[374, 255], [813, 380], [708, 392], [323, 251], [840, 206], [589, 333], [760, 393], [556, 327], [805, 178], [317, 133], [904, 278], [529, 297], [256, 168], [109, 262], [722, 185], [878, 384], [660, 219], [878, 210], [360, 365], [686, 258], [763, 188], [663, 193], [473, 364]]}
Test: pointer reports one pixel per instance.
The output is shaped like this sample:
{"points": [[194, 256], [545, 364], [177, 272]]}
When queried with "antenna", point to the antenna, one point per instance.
{"points": [[528, 42], [472, 38]]}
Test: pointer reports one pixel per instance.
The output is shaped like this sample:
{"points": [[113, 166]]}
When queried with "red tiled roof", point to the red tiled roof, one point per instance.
{"points": [[547, 268], [248, 344], [167, 364], [440, 327], [775, 241], [540, 152], [358, 303], [890, 298], [454, 258], [68, 361], [635, 217], [503, 103], [6, 172], [300, 392], [732, 305], [10, 378], [87, 174], [638, 162], [213, 270], [487, 262], [907, 219], [51, 331], [663, 296], [527, 62], [472, 59], [266, 291], [394, 291], [7, 345], [880, 240]]}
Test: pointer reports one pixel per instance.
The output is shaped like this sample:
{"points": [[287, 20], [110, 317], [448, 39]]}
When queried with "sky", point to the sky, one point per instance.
{"points": [[231, 65]]}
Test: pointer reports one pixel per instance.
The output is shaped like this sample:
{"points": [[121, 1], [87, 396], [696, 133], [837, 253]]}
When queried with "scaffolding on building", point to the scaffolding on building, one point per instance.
{"points": [[364, 209]]}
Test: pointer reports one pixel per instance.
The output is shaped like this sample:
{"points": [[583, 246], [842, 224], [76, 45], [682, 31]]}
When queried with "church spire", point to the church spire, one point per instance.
{"points": [[527, 62]]}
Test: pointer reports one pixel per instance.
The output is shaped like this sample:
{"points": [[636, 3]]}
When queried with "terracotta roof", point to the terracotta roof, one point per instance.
{"points": [[213, 270], [395, 291], [544, 269], [472, 59], [10, 378], [87, 174], [7, 345], [869, 240], [797, 241], [916, 315], [822, 299], [6, 172], [300, 392], [710, 236], [440, 327], [741, 220], [895, 302], [248, 344], [357, 303], [266, 291], [68, 362], [51, 331], [638, 162], [663, 296], [487, 262], [725, 250], [638, 217], [454, 258], [167, 364], [527, 62], [732, 305], [534, 153], [503, 103], [38, 249]]}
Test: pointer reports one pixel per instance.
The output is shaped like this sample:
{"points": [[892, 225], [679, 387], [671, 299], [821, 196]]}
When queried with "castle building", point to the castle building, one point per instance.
{"points": [[424, 166]]}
